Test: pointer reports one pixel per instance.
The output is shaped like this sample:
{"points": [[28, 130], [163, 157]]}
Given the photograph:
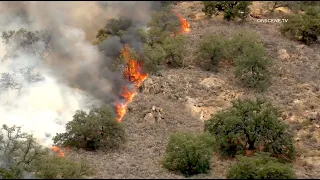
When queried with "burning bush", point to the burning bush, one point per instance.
{"points": [[22, 156], [303, 27], [231, 9], [248, 126], [97, 129], [260, 166], [189, 154]]}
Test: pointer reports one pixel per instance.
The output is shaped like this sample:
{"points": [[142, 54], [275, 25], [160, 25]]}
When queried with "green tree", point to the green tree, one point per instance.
{"points": [[303, 27], [252, 67], [51, 166], [21, 155], [189, 154], [97, 129], [213, 47], [251, 124], [175, 48], [154, 57], [241, 40], [261, 166], [114, 27], [162, 24], [231, 9]]}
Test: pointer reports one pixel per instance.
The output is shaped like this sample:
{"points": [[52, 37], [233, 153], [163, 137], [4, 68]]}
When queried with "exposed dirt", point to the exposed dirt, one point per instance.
{"points": [[190, 95]]}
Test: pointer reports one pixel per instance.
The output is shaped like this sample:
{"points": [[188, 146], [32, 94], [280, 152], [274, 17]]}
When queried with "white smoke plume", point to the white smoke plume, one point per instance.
{"points": [[74, 72]]}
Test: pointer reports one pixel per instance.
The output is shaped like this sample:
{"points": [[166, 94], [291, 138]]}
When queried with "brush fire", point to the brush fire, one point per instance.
{"points": [[185, 26], [133, 73], [57, 150]]}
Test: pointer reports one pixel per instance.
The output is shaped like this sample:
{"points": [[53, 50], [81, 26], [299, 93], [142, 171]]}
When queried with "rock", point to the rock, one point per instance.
{"points": [[212, 82], [297, 102], [283, 55], [149, 118], [148, 86], [302, 133], [314, 116]]}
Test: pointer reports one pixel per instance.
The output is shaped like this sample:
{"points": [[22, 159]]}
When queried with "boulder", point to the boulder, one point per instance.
{"points": [[149, 118], [283, 55]]}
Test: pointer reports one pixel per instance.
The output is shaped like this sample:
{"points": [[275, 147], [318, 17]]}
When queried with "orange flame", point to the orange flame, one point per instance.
{"points": [[185, 26], [56, 149], [133, 73]]}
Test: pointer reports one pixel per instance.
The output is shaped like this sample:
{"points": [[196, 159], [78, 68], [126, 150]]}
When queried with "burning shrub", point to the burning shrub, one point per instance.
{"points": [[189, 154], [213, 47], [251, 125], [97, 129], [303, 27], [231, 9], [252, 67], [260, 166]]}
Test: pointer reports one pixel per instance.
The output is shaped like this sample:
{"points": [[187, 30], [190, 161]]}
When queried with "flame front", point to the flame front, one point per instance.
{"points": [[133, 73], [56, 149], [185, 26]]}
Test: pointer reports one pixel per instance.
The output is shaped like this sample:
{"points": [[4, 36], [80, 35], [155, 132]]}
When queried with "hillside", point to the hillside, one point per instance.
{"points": [[181, 99], [145, 77]]}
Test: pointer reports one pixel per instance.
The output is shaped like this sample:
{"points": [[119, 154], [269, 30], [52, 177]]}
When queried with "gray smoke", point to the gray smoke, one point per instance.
{"points": [[74, 60]]}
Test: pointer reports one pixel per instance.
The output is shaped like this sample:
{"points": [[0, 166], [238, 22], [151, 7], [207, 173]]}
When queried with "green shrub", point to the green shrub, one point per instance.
{"points": [[114, 27], [22, 156], [303, 27], [240, 40], [162, 24], [8, 174], [249, 125], [51, 166], [189, 154], [252, 67], [213, 47], [260, 166], [231, 9], [175, 48], [97, 129], [154, 57]]}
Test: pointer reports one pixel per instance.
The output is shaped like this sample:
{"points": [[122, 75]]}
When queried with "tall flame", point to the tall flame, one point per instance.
{"points": [[185, 26], [133, 73], [56, 149]]}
